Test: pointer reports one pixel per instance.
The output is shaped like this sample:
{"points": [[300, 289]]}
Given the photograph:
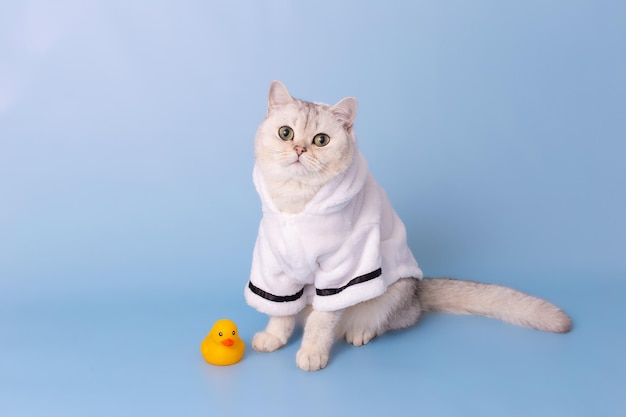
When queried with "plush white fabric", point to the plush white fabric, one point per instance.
{"points": [[348, 230]]}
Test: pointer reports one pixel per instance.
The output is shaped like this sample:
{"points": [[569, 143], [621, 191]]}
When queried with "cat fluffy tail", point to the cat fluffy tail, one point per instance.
{"points": [[490, 300]]}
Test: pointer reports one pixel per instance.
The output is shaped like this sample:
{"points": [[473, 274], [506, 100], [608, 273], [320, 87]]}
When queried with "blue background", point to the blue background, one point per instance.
{"points": [[128, 214]]}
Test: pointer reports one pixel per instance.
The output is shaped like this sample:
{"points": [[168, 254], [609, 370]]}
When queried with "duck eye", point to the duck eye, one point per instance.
{"points": [[221, 334], [233, 332], [285, 133], [321, 139]]}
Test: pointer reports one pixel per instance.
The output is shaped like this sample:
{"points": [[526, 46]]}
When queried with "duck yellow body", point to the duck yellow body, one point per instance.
{"points": [[223, 346]]}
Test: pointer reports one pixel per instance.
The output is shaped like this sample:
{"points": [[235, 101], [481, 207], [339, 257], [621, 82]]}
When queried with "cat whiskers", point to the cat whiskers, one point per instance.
{"points": [[304, 169], [321, 171]]}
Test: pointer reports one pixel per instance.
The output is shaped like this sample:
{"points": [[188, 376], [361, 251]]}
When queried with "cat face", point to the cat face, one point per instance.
{"points": [[310, 143]]}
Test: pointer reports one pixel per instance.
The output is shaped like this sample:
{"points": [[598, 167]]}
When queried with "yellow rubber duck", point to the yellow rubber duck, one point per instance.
{"points": [[222, 346]]}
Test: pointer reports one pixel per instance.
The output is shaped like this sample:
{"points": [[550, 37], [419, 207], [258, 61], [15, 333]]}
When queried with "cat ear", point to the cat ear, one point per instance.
{"points": [[346, 110], [279, 96]]}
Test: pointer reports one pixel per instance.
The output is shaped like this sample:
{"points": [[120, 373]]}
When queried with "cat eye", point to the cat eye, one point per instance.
{"points": [[321, 139], [285, 133]]}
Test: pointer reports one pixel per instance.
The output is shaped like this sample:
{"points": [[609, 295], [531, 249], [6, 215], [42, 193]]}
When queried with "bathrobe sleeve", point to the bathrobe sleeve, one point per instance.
{"points": [[270, 290], [372, 257], [351, 274]]}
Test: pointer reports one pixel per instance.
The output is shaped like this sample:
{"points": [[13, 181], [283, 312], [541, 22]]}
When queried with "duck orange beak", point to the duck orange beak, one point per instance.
{"points": [[228, 342]]}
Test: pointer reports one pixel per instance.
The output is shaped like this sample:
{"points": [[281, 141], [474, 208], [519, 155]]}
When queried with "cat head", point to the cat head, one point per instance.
{"points": [[304, 142]]}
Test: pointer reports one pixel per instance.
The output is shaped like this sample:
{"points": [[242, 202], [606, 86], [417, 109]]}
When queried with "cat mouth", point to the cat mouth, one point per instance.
{"points": [[297, 161], [297, 166]]}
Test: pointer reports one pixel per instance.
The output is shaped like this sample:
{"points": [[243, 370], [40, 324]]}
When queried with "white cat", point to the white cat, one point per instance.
{"points": [[331, 247]]}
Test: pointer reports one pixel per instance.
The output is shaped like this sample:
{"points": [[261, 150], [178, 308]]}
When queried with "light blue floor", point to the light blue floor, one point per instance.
{"points": [[139, 355], [128, 214]]}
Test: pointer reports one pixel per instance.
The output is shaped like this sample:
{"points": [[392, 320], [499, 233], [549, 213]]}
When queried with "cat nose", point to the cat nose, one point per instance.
{"points": [[299, 149]]}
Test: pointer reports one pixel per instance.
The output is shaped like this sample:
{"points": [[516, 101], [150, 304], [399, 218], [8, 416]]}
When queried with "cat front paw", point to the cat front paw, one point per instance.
{"points": [[359, 337], [266, 342], [309, 360]]}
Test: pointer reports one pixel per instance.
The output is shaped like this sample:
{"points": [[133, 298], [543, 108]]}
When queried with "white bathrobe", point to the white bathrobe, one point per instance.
{"points": [[348, 245]]}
